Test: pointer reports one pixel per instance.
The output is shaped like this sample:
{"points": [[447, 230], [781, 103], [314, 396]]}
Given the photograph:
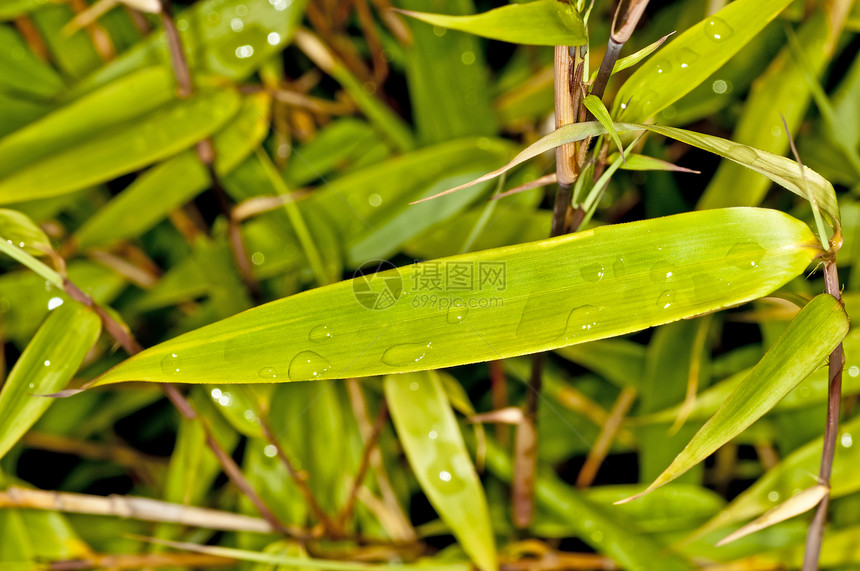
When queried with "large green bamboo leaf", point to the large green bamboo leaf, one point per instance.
{"points": [[780, 170], [169, 185], [434, 446], [810, 337], [692, 57], [540, 23], [46, 365], [122, 150], [22, 232], [514, 300]]}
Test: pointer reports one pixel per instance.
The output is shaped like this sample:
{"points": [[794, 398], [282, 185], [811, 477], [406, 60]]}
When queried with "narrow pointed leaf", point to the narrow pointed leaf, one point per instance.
{"points": [[539, 23], [122, 150], [525, 298], [45, 366], [794, 506], [794, 473], [637, 162], [434, 446], [810, 337], [785, 172], [598, 109], [692, 57]]}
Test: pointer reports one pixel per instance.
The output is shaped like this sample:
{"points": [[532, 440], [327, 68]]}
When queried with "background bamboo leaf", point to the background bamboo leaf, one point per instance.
{"points": [[541, 22], [691, 57], [437, 454], [16, 228], [629, 277], [46, 365], [122, 150]]}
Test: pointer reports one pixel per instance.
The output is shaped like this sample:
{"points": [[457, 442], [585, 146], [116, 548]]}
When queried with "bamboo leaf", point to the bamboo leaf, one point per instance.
{"points": [[780, 170], [434, 446], [174, 182], [47, 364], [539, 23], [636, 57], [625, 278], [119, 151], [598, 109], [794, 506], [692, 57], [810, 337]]}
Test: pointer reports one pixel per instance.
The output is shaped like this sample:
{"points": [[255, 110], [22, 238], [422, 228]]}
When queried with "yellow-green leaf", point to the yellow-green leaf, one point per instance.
{"points": [[810, 337], [692, 57], [539, 23], [434, 446], [522, 299]]}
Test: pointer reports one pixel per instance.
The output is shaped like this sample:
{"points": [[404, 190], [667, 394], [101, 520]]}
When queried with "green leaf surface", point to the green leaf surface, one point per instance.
{"points": [[45, 366], [171, 184], [23, 72], [812, 335], [692, 57], [124, 149], [539, 23], [522, 300], [13, 8], [598, 109], [83, 119], [434, 446]]}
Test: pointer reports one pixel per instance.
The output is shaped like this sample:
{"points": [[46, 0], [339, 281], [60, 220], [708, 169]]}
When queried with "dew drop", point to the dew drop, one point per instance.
{"points": [[666, 299], [413, 386], [664, 67], [406, 354], [746, 255], [686, 58], [592, 272], [853, 371], [55, 302], [457, 313], [846, 440], [270, 451], [618, 268], [662, 272], [274, 38], [249, 415], [720, 86], [717, 30], [320, 334], [32, 386], [216, 394], [226, 399], [773, 496], [446, 478], [374, 200], [541, 318], [268, 373], [581, 320], [308, 365], [171, 364]]}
